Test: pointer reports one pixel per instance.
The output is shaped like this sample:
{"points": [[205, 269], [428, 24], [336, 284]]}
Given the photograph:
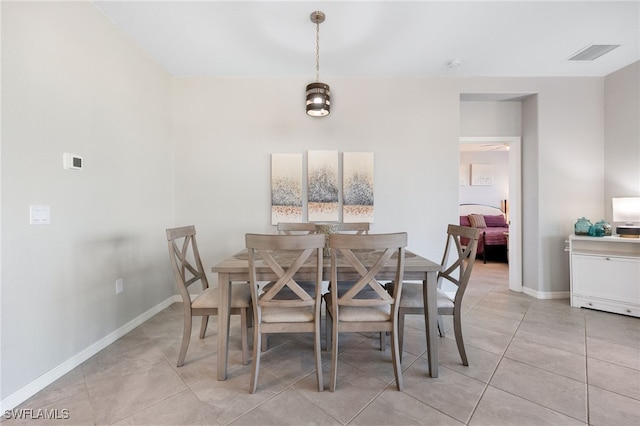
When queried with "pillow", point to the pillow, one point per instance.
{"points": [[495, 221], [477, 221], [464, 221]]}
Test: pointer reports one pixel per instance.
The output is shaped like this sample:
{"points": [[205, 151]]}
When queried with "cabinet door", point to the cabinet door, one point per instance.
{"points": [[611, 278]]}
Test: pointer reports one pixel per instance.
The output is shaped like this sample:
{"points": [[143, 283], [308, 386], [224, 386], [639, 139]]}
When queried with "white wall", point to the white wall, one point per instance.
{"points": [[226, 129], [622, 135], [490, 118], [72, 82]]}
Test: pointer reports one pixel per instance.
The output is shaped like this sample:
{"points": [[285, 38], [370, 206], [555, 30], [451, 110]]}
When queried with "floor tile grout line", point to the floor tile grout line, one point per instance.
{"points": [[586, 368], [502, 356]]}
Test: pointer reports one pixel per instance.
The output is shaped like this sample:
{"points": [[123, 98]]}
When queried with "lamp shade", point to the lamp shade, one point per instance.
{"points": [[318, 99], [626, 209]]}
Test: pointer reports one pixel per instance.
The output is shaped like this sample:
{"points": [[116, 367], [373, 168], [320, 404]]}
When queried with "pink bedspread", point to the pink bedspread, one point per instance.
{"points": [[491, 235]]}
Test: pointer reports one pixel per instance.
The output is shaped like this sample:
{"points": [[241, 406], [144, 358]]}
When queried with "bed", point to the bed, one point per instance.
{"points": [[493, 225]]}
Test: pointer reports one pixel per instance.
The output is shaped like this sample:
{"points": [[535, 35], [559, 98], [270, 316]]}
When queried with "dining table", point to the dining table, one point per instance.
{"points": [[235, 269]]}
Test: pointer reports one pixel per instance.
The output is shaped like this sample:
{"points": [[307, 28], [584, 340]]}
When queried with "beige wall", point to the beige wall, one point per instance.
{"points": [[226, 129], [72, 82]]}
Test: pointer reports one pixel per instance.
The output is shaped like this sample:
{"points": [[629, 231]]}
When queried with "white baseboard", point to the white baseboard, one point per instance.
{"points": [[55, 373], [545, 294]]}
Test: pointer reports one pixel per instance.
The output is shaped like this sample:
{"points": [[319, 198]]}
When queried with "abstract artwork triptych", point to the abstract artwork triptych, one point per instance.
{"points": [[324, 200]]}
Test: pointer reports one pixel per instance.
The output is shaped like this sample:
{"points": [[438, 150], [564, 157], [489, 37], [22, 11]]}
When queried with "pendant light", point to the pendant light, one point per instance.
{"points": [[318, 94]]}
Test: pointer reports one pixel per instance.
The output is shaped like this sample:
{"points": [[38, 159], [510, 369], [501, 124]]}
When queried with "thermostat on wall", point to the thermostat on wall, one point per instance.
{"points": [[71, 161]]}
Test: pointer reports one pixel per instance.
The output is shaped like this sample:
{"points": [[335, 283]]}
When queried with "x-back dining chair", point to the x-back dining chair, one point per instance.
{"points": [[188, 270], [285, 306], [364, 304], [456, 272], [297, 228]]}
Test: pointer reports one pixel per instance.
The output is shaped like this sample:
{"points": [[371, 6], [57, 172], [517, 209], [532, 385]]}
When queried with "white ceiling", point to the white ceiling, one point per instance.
{"points": [[380, 38]]}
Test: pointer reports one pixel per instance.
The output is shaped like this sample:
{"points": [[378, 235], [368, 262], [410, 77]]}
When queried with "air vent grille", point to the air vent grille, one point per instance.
{"points": [[592, 52]]}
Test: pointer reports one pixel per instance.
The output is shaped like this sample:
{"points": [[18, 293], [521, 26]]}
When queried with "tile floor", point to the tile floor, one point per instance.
{"points": [[532, 362]]}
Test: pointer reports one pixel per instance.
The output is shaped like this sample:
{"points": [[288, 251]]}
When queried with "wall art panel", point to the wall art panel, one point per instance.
{"points": [[286, 188], [357, 191], [322, 186]]}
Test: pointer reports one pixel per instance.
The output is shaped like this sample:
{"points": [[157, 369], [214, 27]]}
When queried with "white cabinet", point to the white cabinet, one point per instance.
{"points": [[605, 273]]}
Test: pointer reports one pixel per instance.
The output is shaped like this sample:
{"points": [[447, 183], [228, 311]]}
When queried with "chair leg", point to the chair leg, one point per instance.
{"points": [[383, 341], [334, 356], [327, 332], [253, 385], [244, 335], [395, 357], [400, 333], [186, 336], [457, 328], [440, 326], [265, 342], [203, 326], [317, 349]]}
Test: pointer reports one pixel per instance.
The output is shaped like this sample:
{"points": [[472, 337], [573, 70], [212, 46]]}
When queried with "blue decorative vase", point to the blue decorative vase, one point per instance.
{"points": [[606, 226], [596, 230], [582, 226]]}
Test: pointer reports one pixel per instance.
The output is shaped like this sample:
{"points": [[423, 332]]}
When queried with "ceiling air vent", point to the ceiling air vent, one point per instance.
{"points": [[592, 52]]}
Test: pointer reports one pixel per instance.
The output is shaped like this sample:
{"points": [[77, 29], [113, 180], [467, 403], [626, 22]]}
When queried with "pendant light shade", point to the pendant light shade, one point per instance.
{"points": [[318, 99], [318, 94]]}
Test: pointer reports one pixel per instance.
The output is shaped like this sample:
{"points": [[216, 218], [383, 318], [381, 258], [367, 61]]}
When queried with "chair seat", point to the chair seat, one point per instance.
{"points": [[287, 315], [361, 313], [412, 297], [240, 297]]}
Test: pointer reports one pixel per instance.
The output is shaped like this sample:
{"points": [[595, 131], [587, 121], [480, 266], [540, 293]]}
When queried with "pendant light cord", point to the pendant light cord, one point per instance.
{"points": [[317, 52]]}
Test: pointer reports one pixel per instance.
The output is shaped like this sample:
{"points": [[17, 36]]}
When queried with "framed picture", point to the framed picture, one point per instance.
{"points": [[482, 174], [322, 186], [286, 188], [357, 187]]}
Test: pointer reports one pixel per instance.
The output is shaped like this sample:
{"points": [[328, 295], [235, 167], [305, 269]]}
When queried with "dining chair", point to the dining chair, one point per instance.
{"points": [[188, 270], [285, 307], [364, 305], [295, 228], [457, 272]]}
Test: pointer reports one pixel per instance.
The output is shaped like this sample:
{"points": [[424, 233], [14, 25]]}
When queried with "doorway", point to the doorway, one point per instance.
{"points": [[514, 201]]}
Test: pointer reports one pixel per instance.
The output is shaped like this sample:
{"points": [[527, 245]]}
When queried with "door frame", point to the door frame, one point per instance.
{"points": [[514, 202]]}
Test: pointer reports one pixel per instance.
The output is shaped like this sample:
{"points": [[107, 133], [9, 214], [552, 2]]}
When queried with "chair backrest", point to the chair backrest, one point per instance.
{"points": [[357, 227], [285, 255], [185, 260], [367, 254], [290, 228], [463, 241]]}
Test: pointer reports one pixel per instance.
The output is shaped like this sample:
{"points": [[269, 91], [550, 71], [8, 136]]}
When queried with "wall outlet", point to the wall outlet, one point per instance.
{"points": [[119, 285]]}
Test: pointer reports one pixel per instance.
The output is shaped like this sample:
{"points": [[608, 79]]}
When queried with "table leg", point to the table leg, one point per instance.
{"points": [[224, 309], [430, 294]]}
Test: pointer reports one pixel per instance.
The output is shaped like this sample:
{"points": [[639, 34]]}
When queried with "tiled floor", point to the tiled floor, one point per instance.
{"points": [[532, 362]]}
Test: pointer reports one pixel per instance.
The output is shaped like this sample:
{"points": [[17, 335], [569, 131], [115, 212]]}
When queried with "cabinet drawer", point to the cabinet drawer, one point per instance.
{"points": [[604, 277], [605, 305]]}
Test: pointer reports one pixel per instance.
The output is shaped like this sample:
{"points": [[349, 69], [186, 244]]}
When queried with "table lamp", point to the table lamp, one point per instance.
{"points": [[627, 210]]}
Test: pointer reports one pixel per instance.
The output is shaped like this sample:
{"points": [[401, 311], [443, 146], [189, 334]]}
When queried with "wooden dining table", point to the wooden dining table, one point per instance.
{"points": [[235, 269]]}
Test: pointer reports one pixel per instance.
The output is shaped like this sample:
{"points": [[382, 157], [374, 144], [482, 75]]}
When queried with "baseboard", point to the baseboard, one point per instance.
{"points": [[55, 373], [545, 294]]}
